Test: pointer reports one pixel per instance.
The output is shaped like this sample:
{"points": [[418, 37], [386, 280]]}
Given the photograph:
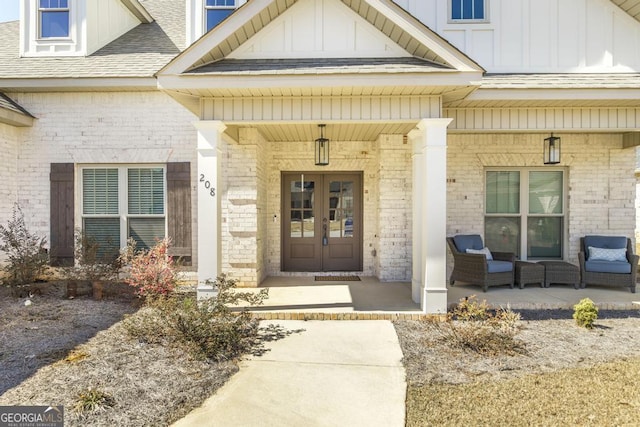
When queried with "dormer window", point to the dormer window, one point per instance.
{"points": [[216, 11], [53, 18], [468, 10]]}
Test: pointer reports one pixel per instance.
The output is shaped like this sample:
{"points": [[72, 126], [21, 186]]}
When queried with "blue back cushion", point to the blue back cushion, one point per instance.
{"points": [[468, 241], [607, 242]]}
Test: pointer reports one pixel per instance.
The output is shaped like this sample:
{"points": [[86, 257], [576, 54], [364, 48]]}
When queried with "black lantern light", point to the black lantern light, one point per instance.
{"points": [[551, 150], [322, 148]]}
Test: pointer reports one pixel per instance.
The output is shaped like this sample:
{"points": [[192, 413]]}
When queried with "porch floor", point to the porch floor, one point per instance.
{"points": [[305, 298]]}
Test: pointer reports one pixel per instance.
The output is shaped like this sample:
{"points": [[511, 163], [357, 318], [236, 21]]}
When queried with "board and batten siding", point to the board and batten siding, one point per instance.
{"points": [[321, 108], [540, 36], [537, 119]]}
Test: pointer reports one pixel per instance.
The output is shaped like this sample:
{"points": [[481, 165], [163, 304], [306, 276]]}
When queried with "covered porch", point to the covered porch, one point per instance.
{"points": [[306, 298]]}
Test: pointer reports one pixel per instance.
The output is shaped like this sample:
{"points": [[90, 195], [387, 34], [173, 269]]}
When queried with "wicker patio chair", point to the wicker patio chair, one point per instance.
{"points": [[617, 273], [475, 268]]}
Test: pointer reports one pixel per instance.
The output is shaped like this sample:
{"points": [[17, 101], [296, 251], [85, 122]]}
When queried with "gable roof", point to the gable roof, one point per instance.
{"points": [[411, 35], [133, 58]]}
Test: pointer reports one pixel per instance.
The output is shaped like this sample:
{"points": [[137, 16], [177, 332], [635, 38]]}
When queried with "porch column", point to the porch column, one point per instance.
{"points": [[209, 221], [429, 282]]}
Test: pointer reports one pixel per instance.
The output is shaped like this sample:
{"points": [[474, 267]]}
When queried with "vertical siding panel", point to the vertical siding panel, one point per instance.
{"points": [[276, 109], [356, 108], [307, 109], [296, 109], [375, 108], [258, 113]]}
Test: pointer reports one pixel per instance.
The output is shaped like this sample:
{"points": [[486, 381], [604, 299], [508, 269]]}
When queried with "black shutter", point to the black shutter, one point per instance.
{"points": [[62, 211], [179, 210]]}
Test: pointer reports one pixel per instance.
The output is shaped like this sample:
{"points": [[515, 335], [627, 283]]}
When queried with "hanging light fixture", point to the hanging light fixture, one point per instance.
{"points": [[322, 148], [551, 150]]}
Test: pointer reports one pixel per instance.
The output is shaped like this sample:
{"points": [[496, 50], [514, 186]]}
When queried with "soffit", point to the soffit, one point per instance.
{"points": [[632, 7], [553, 90]]}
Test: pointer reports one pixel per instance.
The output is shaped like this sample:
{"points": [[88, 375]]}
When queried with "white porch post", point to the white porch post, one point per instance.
{"points": [[209, 221], [430, 215]]}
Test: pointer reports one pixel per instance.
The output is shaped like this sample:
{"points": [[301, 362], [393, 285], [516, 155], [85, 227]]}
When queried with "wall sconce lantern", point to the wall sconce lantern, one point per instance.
{"points": [[322, 148], [551, 150]]}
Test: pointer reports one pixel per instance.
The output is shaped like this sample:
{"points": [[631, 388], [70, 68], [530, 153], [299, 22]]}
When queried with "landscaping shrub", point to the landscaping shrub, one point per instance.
{"points": [[26, 252], [585, 313], [152, 272], [92, 399], [214, 329], [92, 262], [472, 326]]}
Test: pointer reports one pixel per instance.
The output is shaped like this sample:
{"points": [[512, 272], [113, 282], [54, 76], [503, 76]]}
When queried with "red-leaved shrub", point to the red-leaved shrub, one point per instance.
{"points": [[153, 272]]}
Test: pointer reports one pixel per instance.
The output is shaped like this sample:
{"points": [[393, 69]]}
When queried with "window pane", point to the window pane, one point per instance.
{"points": [[545, 192], [502, 234], [456, 9], [146, 191], [503, 192], [54, 24], [146, 231], [100, 191], [221, 3], [215, 16], [478, 9], [544, 237], [105, 232], [467, 9]]}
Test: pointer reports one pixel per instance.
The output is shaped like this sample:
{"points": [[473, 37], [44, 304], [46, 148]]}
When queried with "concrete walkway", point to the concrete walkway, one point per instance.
{"points": [[346, 373]]}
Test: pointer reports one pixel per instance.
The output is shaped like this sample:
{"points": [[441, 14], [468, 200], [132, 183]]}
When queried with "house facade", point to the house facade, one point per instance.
{"points": [[200, 120]]}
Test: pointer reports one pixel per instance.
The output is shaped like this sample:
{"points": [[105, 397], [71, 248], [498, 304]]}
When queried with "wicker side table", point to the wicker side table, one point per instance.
{"points": [[529, 272], [561, 272]]}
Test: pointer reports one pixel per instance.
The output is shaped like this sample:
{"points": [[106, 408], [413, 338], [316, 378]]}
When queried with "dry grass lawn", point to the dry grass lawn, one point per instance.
{"points": [[566, 375]]}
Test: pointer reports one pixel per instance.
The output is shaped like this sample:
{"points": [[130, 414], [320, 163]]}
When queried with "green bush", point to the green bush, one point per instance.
{"points": [[27, 256], [215, 329], [472, 326], [585, 313]]}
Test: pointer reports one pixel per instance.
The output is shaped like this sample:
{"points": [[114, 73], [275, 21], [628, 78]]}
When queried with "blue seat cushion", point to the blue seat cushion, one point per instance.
{"points": [[468, 241], [499, 266], [606, 242], [608, 267]]}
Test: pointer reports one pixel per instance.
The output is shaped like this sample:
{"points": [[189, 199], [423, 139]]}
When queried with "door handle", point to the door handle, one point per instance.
{"points": [[325, 240]]}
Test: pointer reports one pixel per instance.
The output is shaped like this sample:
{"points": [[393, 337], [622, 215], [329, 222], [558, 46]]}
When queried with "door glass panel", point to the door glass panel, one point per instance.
{"points": [[302, 208], [341, 209]]}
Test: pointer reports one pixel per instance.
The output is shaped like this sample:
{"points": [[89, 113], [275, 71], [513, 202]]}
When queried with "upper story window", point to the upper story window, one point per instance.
{"points": [[54, 18], [217, 10], [468, 10]]}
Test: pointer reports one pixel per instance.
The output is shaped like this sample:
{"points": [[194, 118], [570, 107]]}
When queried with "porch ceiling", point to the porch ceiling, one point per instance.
{"points": [[336, 132]]}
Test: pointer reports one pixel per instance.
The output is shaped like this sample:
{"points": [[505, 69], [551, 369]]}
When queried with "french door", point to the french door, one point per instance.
{"points": [[321, 221]]}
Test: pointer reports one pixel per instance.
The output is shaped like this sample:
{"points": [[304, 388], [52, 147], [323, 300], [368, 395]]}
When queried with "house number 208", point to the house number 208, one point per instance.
{"points": [[207, 185]]}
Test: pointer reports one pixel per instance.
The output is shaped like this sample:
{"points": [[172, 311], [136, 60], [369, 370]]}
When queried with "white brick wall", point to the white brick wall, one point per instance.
{"points": [[9, 136], [113, 127], [601, 181]]}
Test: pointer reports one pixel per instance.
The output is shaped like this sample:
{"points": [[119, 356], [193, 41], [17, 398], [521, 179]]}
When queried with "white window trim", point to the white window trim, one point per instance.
{"points": [[39, 11], [123, 197], [485, 20], [205, 8], [524, 205]]}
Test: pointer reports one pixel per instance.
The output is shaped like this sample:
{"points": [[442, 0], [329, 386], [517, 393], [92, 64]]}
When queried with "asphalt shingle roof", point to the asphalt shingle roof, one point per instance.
{"points": [[140, 52], [318, 65]]}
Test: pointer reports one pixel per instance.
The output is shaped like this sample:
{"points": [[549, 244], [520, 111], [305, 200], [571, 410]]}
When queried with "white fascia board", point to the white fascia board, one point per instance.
{"points": [[103, 83], [13, 118], [553, 94], [213, 38], [138, 11], [217, 81], [429, 38]]}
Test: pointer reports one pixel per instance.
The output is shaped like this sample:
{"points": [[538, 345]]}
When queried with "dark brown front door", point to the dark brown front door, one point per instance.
{"points": [[322, 221]]}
